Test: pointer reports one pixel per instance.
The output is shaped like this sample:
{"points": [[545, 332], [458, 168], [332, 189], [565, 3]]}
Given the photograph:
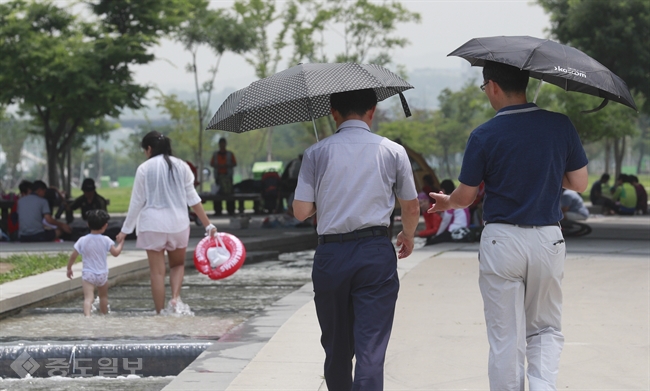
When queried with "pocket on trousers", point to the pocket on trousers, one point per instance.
{"points": [[554, 247]]}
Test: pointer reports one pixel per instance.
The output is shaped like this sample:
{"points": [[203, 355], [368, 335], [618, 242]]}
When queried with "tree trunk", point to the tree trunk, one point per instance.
{"points": [[607, 155], [446, 157], [619, 152], [52, 166], [640, 161]]}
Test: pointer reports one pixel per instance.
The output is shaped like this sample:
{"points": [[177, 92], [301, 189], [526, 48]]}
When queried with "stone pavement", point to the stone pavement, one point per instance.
{"points": [[439, 340]]}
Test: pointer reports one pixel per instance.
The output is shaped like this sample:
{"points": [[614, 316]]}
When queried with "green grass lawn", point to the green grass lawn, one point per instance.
{"points": [[30, 264], [119, 197]]}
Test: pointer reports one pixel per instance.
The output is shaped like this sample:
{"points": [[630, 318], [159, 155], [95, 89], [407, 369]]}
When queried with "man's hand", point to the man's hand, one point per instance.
{"points": [[69, 273], [460, 198], [405, 244], [441, 204], [66, 228]]}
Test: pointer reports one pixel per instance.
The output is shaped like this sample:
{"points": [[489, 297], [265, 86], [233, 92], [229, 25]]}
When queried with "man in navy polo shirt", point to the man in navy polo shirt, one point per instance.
{"points": [[525, 155], [350, 180]]}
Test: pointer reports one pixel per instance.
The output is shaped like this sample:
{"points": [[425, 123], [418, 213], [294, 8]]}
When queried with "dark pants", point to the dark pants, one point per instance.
{"points": [[47, 235], [225, 188], [355, 286]]}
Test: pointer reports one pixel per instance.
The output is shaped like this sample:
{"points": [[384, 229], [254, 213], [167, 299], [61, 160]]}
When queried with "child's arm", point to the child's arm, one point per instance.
{"points": [[73, 257], [116, 250]]}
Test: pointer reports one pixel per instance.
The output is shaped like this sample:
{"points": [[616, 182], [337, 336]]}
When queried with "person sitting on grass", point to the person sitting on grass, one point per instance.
{"points": [[90, 200], [93, 248], [33, 212]]}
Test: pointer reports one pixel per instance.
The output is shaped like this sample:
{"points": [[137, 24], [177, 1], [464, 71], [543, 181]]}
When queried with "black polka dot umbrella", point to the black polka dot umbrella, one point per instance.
{"points": [[301, 93]]}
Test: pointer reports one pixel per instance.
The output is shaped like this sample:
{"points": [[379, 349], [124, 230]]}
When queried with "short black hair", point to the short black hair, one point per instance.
{"points": [[509, 78], [97, 218], [623, 178], [39, 185], [604, 177], [24, 187], [357, 101], [634, 178], [447, 186]]}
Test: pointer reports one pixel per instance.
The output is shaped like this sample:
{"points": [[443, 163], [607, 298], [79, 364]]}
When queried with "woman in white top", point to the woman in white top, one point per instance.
{"points": [[162, 190]]}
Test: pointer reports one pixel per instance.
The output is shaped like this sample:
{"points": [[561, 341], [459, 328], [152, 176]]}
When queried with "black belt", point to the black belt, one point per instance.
{"points": [[354, 235], [523, 225]]}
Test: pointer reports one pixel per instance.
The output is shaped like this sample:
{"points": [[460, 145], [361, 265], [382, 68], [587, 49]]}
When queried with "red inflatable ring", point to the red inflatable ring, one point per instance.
{"points": [[234, 262]]}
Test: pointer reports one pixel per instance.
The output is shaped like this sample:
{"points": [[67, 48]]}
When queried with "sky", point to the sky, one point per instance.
{"points": [[445, 25]]}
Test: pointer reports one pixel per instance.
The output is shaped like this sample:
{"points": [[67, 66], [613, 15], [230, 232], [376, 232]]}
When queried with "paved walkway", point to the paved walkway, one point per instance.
{"points": [[439, 340]]}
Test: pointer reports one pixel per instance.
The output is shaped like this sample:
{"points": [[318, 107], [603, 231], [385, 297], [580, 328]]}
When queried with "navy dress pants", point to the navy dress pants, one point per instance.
{"points": [[355, 286]]}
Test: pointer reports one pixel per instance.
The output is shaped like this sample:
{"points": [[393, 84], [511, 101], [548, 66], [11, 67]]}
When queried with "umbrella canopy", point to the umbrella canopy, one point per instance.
{"points": [[551, 62], [301, 93]]}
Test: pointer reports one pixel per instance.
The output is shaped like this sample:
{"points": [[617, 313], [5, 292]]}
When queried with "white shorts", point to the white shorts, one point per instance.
{"points": [[97, 279], [159, 241]]}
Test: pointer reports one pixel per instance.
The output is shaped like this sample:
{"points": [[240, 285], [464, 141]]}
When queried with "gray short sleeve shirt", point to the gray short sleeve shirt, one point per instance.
{"points": [[353, 178], [31, 209]]}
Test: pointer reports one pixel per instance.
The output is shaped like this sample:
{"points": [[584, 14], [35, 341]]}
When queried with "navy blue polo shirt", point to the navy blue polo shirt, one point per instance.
{"points": [[522, 154]]}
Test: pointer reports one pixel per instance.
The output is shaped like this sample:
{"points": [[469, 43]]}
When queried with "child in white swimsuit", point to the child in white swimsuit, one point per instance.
{"points": [[93, 248]]}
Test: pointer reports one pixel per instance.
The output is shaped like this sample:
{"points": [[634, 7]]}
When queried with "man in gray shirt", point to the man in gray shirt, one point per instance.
{"points": [[32, 210], [350, 180]]}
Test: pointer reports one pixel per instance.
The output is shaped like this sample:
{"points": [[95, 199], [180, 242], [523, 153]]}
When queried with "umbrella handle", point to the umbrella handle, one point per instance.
{"points": [[602, 104], [405, 105], [539, 86]]}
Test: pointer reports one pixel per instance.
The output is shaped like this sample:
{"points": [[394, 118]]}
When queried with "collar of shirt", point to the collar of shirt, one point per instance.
{"points": [[526, 107], [353, 123]]}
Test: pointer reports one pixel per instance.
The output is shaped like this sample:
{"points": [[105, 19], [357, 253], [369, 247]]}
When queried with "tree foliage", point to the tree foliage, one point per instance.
{"points": [[614, 32], [66, 73], [221, 32]]}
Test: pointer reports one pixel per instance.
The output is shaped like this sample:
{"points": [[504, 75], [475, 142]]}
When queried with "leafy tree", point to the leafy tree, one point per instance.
{"points": [[66, 73], [613, 124], [266, 53], [220, 32], [614, 32], [460, 112]]}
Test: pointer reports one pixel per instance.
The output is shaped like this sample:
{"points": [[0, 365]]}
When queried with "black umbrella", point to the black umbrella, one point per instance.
{"points": [[551, 62], [301, 93]]}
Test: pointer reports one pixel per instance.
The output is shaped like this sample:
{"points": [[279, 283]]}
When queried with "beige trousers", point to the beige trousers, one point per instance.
{"points": [[521, 271]]}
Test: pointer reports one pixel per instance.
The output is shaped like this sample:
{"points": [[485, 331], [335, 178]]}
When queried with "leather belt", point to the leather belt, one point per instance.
{"points": [[354, 235], [523, 225]]}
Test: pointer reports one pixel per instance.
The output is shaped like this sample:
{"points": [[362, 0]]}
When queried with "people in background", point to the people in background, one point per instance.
{"points": [[25, 187], [641, 196], [624, 196], [572, 206], [223, 162], [453, 220], [90, 200], [289, 182], [33, 211], [597, 197]]}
